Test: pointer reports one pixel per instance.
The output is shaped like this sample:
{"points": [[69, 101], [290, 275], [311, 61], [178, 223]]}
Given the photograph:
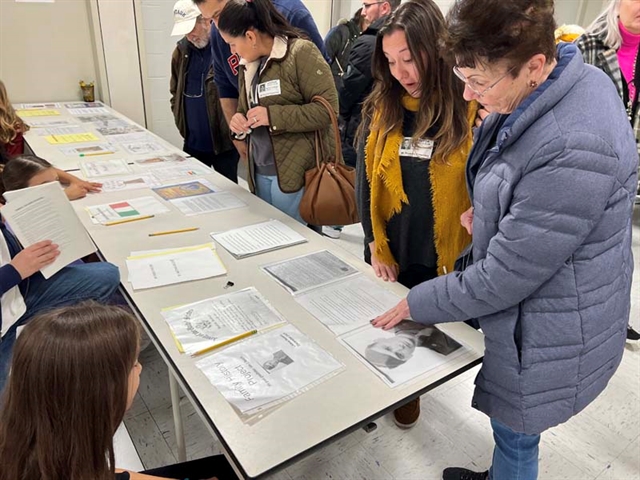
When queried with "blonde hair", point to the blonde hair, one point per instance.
{"points": [[10, 124]]}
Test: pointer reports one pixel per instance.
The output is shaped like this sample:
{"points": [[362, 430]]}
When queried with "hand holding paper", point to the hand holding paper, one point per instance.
{"points": [[32, 259]]}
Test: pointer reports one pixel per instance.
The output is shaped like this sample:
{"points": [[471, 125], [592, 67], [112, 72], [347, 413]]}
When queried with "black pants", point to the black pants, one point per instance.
{"points": [[225, 164], [215, 466]]}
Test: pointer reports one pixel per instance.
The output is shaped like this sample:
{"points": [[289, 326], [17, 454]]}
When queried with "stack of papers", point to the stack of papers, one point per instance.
{"points": [[334, 292], [265, 370], [44, 213], [202, 325], [175, 265], [126, 209], [198, 196], [258, 238]]}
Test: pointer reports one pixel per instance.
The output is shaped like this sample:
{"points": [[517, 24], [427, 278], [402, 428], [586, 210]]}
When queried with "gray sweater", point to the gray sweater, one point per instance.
{"points": [[553, 198]]}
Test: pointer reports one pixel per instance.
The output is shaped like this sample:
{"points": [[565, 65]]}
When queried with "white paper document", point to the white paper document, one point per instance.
{"points": [[61, 130], [103, 168], [129, 182], [258, 238], [178, 171], [88, 150], [171, 266], [102, 120], [44, 213], [345, 305], [141, 147], [163, 161], [310, 271], [265, 370], [46, 123], [403, 353], [204, 324], [87, 111], [213, 202], [125, 209], [116, 128]]}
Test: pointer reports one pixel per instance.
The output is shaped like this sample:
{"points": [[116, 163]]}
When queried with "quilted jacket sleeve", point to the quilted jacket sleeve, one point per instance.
{"points": [[314, 78], [559, 199]]}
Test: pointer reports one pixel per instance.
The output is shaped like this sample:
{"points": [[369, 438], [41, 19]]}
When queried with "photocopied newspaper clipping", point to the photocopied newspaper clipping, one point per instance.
{"points": [[265, 370], [205, 324], [258, 238]]}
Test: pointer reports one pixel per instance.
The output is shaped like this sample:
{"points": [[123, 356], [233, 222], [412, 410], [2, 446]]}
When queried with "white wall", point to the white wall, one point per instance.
{"points": [[45, 49], [156, 23]]}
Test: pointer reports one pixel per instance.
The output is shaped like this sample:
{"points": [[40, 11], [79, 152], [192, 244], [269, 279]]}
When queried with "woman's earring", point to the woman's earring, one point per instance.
{"points": [[533, 83]]}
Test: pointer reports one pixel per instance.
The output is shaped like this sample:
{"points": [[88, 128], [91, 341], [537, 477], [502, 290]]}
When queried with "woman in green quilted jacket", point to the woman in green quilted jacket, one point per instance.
{"points": [[280, 73]]}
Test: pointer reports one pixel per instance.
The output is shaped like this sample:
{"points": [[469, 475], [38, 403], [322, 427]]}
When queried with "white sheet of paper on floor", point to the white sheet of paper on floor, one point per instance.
{"points": [[306, 272], [204, 324], [259, 238], [400, 355], [44, 213], [104, 168], [124, 209], [264, 370], [345, 305], [172, 266]]}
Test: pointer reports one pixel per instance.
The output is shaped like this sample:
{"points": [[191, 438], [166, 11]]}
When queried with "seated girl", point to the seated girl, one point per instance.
{"points": [[75, 374], [24, 291]]}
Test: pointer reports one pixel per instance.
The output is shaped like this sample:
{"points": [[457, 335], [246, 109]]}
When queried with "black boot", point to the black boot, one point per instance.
{"points": [[455, 473], [632, 335]]}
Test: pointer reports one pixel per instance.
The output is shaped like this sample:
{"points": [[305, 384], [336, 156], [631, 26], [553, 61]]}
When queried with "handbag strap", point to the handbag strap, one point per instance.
{"points": [[336, 130]]}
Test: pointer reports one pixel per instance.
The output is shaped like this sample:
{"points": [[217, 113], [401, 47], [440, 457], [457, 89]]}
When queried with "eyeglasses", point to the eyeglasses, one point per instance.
{"points": [[473, 87], [367, 5]]}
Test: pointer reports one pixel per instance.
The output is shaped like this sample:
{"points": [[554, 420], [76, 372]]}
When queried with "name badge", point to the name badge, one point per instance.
{"points": [[269, 89], [423, 149]]}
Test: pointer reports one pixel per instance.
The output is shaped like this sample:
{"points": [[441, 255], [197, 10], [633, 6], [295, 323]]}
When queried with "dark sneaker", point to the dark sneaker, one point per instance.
{"points": [[407, 415], [455, 473], [632, 335]]}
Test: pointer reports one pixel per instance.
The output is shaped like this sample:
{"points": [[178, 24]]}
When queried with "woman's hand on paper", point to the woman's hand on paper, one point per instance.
{"points": [[258, 117], [32, 259], [91, 187], [466, 219], [392, 317], [75, 191], [382, 270]]}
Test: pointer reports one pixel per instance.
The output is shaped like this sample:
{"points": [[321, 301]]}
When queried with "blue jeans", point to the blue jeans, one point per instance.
{"points": [[515, 456], [73, 284], [267, 189]]}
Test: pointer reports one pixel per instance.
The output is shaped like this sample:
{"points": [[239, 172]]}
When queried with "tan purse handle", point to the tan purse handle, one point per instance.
{"points": [[336, 131]]}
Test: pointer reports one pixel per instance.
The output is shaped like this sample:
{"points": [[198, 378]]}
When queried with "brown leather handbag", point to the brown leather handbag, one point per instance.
{"points": [[329, 188]]}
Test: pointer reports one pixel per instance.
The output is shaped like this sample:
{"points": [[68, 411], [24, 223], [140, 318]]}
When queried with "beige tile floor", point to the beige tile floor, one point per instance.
{"points": [[601, 443]]}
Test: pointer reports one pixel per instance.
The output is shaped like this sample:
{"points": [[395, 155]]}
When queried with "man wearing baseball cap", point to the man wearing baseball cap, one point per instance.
{"points": [[194, 95]]}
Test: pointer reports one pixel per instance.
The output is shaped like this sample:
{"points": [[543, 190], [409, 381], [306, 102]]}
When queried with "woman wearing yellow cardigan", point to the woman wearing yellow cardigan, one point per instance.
{"points": [[411, 168]]}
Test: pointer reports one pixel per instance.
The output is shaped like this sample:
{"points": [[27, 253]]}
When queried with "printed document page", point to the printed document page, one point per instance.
{"points": [[173, 266], [264, 370], [125, 209], [403, 353], [44, 213], [102, 168], [258, 238], [201, 325], [348, 304], [303, 273]]}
